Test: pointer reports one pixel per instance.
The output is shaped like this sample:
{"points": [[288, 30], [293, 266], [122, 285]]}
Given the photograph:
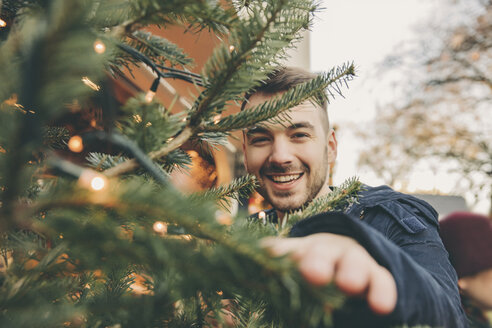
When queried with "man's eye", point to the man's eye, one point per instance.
{"points": [[300, 135], [259, 140]]}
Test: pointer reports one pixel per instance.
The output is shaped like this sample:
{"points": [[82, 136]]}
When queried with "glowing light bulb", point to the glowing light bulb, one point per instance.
{"points": [[262, 216], [217, 118], [98, 183], [90, 84], [3, 23], [99, 46], [231, 48], [149, 96], [92, 180], [75, 144], [137, 118], [160, 227]]}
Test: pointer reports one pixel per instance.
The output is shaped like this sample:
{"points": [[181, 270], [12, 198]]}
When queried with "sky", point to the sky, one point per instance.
{"points": [[365, 32]]}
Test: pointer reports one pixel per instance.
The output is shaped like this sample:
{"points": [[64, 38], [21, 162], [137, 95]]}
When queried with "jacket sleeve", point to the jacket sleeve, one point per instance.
{"points": [[426, 282]]}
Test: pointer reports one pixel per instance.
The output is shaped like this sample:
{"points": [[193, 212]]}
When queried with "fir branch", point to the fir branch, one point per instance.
{"points": [[271, 109], [132, 164], [176, 159], [239, 188], [150, 125], [274, 279], [218, 18], [158, 49], [56, 137], [224, 65], [101, 161], [340, 198], [206, 140], [199, 14], [129, 147]]}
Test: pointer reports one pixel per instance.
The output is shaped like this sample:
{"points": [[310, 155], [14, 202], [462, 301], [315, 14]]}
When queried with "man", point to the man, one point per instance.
{"points": [[385, 250], [468, 239]]}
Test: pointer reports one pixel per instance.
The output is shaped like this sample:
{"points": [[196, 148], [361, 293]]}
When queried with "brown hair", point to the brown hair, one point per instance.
{"points": [[283, 79]]}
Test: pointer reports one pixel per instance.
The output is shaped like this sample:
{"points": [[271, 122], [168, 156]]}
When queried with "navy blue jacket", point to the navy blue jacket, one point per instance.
{"points": [[401, 234]]}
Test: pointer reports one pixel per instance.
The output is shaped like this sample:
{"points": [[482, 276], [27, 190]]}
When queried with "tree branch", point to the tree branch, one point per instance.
{"points": [[132, 164]]}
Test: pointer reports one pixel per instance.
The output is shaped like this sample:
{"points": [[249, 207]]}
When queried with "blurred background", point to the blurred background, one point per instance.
{"points": [[418, 117]]}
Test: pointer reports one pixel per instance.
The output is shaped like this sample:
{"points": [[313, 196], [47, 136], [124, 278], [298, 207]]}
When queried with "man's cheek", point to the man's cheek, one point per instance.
{"points": [[254, 162]]}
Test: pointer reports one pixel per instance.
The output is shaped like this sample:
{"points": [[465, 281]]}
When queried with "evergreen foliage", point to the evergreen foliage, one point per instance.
{"points": [[75, 256]]}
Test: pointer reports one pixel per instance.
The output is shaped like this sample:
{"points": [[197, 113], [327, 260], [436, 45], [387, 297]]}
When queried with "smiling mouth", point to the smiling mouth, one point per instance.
{"points": [[285, 178]]}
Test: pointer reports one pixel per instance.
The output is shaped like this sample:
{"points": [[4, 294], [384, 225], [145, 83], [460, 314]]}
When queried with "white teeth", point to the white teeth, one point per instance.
{"points": [[285, 178]]}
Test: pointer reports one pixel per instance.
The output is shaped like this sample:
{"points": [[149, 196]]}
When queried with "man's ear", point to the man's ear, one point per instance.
{"points": [[331, 141]]}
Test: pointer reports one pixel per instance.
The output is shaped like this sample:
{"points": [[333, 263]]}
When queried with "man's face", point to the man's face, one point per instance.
{"points": [[290, 160]]}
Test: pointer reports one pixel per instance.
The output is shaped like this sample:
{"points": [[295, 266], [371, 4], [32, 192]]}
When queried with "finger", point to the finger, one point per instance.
{"points": [[318, 267], [353, 271], [281, 246], [382, 293]]}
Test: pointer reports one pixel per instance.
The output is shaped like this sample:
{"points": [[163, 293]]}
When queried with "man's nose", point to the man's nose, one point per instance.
{"points": [[282, 152]]}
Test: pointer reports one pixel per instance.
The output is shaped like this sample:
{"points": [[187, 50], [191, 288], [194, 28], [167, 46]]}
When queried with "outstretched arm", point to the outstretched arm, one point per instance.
{"points": [[326, 257], [407, 283]]}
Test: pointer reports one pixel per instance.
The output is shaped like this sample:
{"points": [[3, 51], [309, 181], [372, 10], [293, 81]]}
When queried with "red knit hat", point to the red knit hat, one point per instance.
{"points": [[468, 239]]}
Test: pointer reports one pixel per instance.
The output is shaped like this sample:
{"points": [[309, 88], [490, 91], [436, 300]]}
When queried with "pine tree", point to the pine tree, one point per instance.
{"points": [[110, 242]]}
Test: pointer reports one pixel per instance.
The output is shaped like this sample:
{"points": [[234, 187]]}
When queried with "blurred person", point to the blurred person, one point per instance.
{"points": [[383, 251], [468, 239]]}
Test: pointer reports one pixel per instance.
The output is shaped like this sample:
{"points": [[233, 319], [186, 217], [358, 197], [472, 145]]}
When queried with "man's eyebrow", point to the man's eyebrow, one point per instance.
{"points": [[301, 125], [256, 129], [294, 126]]}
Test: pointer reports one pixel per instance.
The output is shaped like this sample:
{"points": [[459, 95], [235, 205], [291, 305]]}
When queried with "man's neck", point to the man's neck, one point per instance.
{"points": [[280, 217], [325, 190]]}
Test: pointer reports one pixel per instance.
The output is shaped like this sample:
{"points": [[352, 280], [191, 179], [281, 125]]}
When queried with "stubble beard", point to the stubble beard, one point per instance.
{"points": [[287, 203]]}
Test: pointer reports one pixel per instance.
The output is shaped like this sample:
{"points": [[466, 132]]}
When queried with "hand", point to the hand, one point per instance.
{"points": [[324, 257]]}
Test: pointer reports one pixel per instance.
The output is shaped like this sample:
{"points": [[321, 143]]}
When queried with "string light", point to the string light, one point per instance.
{"points": [[98, 183], [2, 23], [186, 237], [137, 118], [76, 144], [90, 84], [149, 96], [99, 46], [12, 101], [153, 89], [217, 119], [160, 227], [93, 180], [262, 216]]}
